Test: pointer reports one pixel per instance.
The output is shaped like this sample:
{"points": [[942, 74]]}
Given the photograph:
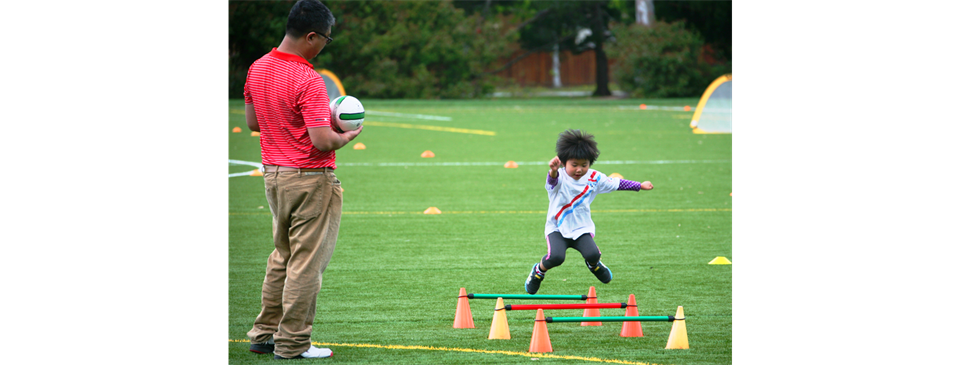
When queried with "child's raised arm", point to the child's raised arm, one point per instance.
{"points": [[635, 186], [553, 174], [554, 166]]}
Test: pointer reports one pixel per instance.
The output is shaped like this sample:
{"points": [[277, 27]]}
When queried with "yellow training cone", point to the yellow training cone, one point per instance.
{"points": [[359, 146], [427, 154], [254, 134], [510, 165], [720, 260], [499, 330], [432, 210], [616, 175], [237, 130], [678, 334], [256, 173]]}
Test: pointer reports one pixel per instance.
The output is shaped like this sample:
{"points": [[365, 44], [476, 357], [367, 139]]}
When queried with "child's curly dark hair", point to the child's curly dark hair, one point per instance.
{"points": [[575, 143]]}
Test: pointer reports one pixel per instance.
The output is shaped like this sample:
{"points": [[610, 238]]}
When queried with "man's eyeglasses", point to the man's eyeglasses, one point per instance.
{"points": [[325, 36]]}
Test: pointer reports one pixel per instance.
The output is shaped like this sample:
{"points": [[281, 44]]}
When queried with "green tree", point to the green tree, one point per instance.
{"points": [[412, 49], [255, 27], [577, 26], [382, 49], [662, 60], [713, 19]]}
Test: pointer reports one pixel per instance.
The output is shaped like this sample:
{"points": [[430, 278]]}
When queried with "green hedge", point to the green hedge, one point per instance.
{"points": [[401, 49], [661, 61]]}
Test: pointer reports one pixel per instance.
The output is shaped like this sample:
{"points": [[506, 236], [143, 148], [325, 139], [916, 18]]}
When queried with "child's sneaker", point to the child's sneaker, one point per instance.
{"points": [[533, 281], [601, 272]]}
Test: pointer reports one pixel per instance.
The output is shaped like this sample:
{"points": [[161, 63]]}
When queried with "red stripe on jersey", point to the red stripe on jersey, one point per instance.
{"points": [[576, 197], [288, 97]]}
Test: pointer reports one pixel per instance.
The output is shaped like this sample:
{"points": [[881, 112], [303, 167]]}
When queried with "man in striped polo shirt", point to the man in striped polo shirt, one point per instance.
{"points": [[287, 102]]}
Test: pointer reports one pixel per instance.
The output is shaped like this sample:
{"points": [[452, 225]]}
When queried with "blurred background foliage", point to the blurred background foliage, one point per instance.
{"points": [[661, 61], [454, 48]]}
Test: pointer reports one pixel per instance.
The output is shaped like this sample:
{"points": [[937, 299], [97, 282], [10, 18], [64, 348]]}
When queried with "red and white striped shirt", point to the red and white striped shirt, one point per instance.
{"points": [[288, 97]]}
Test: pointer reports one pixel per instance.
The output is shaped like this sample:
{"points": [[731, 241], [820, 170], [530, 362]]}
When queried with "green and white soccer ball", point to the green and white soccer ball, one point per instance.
{"points": [[347, 113]]}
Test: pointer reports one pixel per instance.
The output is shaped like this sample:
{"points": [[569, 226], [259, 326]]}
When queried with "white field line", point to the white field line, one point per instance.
{"points": [[387, 114], [248, 163], [521, 163], [655, 107], [416, 116]]}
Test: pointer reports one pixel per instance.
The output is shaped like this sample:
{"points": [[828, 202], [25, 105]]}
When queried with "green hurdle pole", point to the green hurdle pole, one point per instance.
{"points": [[612, 319]]}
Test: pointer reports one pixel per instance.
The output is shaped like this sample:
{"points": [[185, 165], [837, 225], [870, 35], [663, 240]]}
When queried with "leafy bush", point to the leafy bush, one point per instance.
{"points": [[660, 61], [412, 49], [383, 48]]}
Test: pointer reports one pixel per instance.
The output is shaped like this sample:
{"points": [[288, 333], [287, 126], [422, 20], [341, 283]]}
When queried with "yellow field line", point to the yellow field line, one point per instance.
{"points": [[531, 211], [457, 349]]}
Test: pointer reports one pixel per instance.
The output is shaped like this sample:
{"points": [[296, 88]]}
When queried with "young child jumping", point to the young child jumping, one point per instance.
{"points": [[571, 187]]}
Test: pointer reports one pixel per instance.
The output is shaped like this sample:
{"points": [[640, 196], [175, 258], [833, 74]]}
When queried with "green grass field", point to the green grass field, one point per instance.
{"points": [[390, 292]]}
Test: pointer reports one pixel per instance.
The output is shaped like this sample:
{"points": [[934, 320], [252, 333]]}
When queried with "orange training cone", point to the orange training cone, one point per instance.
{"points": [[630, 328], [432, 210], [256, 173], [643, 106], [510, 165], [540, 341], [686, 108], [616, 175], [254, 134], [237, 130], [427, 154], [464, 318], [499, 329], [591, 312], [678, 334], [359, 146]]}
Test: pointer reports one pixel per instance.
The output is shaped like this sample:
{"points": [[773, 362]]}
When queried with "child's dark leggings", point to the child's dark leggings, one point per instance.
{"points": [[558, 245]]}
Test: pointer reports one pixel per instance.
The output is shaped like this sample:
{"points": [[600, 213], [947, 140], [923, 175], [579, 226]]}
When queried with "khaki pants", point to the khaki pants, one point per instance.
{"points": [[306, 210]]}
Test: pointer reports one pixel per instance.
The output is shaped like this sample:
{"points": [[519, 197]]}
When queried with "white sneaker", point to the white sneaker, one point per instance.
{"points": [[312, 353], [317, 352]]}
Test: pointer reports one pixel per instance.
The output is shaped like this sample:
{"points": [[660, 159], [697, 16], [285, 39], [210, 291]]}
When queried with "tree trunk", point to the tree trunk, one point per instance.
{"points": [[603, 78], [599, 30], [555, 72], [645, 12]]}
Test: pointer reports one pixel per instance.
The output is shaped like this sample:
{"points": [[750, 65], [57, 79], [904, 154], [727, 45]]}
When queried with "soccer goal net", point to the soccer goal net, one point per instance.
{"points": [[715, 111], [334, 87]]}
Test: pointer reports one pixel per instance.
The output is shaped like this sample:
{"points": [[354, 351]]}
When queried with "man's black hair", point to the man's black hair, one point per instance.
{"points": [[309, 16]]}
